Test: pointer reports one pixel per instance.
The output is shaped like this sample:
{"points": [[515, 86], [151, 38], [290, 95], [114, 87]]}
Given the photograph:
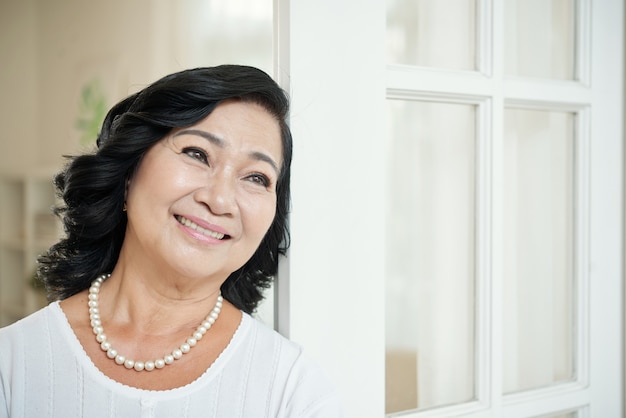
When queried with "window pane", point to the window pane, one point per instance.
{"points": [[228, 31], [538, 248], [432, 33], [430, 255], [540, 38], [561, 415]]}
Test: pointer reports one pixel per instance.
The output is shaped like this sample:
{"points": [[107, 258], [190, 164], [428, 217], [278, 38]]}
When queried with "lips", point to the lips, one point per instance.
{"points": [[190, 224]]}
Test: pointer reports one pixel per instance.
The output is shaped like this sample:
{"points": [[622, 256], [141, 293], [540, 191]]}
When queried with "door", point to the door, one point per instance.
{"points": [[457, 208]]}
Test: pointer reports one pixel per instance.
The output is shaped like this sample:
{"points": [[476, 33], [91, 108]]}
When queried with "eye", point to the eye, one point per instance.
{"points": [[259, 179], [197, 154]]}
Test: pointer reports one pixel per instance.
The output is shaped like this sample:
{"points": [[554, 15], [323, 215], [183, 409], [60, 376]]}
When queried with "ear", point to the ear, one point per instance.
{"points": [[126, 193]]}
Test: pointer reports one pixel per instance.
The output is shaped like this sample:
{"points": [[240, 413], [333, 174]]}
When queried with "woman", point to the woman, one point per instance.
{"points": [[173, 227]]}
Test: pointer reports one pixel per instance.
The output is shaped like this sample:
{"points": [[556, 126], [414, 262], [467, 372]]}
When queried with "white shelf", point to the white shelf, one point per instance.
{"points": [[27, 229]]}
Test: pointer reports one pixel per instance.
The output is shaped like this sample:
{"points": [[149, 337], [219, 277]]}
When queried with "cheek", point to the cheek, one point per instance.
{"points": [[157, 183], [146, 192], [259, 217]]}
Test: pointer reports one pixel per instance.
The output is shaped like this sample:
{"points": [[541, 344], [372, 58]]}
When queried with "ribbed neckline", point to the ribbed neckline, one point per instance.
{"points": [[96, 374]]}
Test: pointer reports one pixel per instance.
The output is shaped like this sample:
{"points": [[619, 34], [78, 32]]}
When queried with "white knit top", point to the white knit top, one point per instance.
{"points": [[44, 372]]}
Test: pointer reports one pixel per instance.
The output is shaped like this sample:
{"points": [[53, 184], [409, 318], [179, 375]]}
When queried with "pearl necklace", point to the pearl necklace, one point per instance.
{"points": [[105, 345]]}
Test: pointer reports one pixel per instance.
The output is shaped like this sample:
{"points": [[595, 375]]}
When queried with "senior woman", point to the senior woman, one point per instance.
{"points": [[173, 228]]}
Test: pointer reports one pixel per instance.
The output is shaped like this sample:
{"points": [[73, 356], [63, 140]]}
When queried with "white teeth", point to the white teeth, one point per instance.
{"points": [[198, 228]]}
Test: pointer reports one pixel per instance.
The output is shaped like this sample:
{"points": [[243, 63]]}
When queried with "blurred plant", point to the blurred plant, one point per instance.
{"points": [[92, 111]]}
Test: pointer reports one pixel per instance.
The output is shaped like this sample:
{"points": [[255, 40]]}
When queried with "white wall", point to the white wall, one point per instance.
{"points": [[18, 83]]}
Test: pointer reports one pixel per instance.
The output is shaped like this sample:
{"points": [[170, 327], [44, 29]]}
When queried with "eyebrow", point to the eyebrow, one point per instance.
{"points": [[220, 143], [206, 135]]}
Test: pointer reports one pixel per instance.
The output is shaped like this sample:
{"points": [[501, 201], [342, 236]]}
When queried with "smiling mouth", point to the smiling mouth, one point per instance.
{"points": [[189, 224]]}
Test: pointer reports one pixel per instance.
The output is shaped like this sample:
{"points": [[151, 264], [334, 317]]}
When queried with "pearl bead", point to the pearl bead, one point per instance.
{"points": [[105, 345]]}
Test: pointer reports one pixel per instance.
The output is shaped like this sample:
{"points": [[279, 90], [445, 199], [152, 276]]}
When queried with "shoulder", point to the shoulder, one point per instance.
{"points": [[32, 325], [22, 343], [265, 337], [307, 390], [30, 332]]}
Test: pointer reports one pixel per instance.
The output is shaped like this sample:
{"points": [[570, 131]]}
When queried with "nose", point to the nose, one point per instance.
{"points": [[219, 195]]}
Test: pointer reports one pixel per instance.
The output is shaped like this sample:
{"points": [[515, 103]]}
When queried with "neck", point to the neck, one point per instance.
{"points": [[151, 364], [154, 303]]}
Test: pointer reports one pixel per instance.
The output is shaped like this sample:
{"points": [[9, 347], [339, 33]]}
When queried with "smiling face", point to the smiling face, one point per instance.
{"points": [[203, 198]]}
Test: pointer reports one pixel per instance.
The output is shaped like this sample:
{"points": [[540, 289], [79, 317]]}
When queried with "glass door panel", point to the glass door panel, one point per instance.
{"points": [[430, 255], [432, 33], [539, 236], [540, 38]]}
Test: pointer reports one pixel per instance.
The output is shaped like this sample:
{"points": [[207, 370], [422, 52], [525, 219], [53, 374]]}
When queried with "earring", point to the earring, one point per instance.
{"points": [[124, 208]]}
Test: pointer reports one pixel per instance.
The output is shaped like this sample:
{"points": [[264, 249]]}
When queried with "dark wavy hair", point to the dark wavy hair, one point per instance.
{"points": [[92, 186]]}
